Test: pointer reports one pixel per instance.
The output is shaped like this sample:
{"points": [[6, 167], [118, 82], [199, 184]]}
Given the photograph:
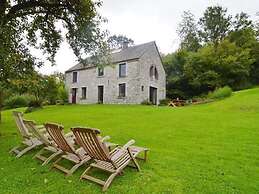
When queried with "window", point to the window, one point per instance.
{"points": [[100, 71], [156, 74], [122, 70], [83, 92], [74, 77], [122, 90], [153, 73], [142, 88]]}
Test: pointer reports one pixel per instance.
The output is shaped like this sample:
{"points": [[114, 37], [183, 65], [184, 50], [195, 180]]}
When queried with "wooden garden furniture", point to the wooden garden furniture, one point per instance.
{"points": [[112, 162], [50, 149], [76, 156], [29, 141]]}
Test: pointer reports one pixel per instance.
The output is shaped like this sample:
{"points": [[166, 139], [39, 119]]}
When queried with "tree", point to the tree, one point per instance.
{"points": [[215, 24], [188, 32], [117, 41], [35, 23], [242, 21], [227, 65]]}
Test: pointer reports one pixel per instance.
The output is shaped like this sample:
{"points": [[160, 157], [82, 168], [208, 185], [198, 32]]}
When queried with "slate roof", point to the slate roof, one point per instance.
{"points": [[126, 54]]}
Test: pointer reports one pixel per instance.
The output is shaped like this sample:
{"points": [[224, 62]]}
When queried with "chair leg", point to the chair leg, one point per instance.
{"points": [[25, 150], [109, 180], [51, 157], [13, 149], [74, 168], [85, 172]]}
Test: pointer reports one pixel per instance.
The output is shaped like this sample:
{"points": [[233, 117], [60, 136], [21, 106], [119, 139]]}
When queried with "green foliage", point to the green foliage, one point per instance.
{"points": [[117, 41], [17, 101], [164, 102], [215, 24], [220, 93], [35, 103], [228, 55], [62, 94], [188, 32], [32, 109]]}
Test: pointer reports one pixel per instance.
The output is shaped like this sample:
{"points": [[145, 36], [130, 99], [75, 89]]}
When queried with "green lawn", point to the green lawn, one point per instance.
{"points": [[211, 148]]}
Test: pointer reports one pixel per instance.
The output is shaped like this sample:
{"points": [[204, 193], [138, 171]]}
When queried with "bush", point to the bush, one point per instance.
{"points": [[16, 102], [32, 109], [35, 103], [164, 102], [146, 102], [62, 94], [220, 93]]}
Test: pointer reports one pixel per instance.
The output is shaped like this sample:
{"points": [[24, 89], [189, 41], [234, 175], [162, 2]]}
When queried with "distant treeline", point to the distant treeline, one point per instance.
{"points": [[216, 50]]}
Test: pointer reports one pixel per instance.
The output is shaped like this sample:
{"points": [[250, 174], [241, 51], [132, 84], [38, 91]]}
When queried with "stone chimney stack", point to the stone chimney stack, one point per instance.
{"points": [[125, 45]]}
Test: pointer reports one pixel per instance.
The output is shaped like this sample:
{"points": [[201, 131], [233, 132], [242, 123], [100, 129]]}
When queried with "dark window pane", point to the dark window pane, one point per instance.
{"points": [[100, 71], [74, 77], [122, 90], [84, 93], [122, 70]]}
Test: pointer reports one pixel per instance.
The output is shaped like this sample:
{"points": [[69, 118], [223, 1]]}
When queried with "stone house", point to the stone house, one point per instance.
{"points": [[136, 75]]}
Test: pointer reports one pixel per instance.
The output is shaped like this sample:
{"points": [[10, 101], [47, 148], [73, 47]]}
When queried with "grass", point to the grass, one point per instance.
{"points": [[210, 148]]}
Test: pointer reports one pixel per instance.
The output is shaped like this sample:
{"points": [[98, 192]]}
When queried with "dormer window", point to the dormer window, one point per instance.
{"points": [[74, 77], [100, 71]]}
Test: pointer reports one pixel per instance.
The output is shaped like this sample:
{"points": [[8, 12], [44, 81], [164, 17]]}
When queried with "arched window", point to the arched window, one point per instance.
{"points": [[151, 71], [156, 74]]}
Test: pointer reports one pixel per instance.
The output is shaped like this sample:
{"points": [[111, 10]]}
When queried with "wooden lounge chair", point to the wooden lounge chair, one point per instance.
{"points": [[112, 162], [77, 157], [29, 142], [50, 150]]}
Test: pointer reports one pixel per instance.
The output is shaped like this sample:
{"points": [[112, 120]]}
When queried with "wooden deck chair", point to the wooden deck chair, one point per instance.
{"points": [[77, 157], [50, 150], [29, 142], [112, 162]]}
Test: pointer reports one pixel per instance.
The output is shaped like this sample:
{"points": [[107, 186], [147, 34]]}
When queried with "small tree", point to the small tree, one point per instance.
{"points": [[188, 32], [215, 24]]}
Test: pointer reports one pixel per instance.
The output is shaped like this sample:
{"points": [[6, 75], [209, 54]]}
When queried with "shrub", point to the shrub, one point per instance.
{"points": [[35, 103], [220, 93], [31, 109], [164, 102], [146, 102], [16, 102], [63, 94]]}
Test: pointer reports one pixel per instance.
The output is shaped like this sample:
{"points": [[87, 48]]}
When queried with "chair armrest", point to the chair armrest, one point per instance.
{"points": [[105, 138], [40, 127], [127, 145], [123, 150]]}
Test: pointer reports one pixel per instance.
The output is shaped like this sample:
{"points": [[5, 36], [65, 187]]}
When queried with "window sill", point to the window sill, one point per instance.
{"points": [[100, 76], [121, 97]]}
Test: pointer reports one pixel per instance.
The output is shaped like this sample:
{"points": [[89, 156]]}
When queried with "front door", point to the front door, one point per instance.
{"points": [[100, 94], [153, 95], [74, 92]]}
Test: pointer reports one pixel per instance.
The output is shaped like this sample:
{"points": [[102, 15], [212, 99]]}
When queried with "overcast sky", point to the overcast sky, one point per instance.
{"points": [[150, 20]]}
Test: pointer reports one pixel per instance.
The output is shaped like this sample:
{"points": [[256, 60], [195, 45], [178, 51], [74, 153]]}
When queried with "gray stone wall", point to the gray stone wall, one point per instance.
{"points": [[137, 77]]}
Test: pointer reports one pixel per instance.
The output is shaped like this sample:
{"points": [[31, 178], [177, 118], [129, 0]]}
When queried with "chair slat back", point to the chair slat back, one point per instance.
{"points": [[56, 133], [18, 117], [89, 140], [31, 126]]}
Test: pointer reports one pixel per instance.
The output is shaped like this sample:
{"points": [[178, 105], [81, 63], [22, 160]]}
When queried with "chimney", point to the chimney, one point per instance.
{"points": [[125, 45]]}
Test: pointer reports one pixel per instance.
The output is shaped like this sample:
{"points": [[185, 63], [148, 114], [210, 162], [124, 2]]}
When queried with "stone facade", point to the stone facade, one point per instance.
{"points": [[138, 80]]}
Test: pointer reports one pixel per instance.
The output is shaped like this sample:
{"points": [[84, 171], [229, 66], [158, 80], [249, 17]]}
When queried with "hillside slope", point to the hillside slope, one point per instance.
{"points": [[210, 148]]}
